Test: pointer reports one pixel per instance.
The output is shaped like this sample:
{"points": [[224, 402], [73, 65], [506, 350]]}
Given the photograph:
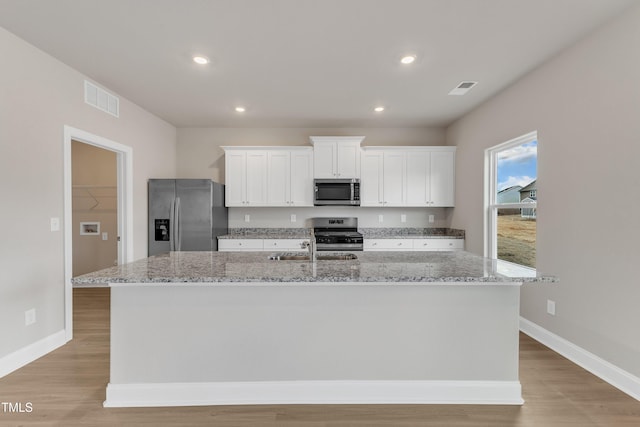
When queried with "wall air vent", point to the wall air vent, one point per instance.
{"points": [[101, 99], [462, 88]]}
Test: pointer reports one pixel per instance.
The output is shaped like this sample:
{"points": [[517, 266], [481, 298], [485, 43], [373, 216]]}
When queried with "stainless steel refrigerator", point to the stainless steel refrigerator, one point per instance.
{"points": [[185, 215]]}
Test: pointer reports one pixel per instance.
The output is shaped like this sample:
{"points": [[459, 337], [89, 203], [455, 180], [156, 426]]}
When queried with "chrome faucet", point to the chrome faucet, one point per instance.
{"points": [[311, 245]]}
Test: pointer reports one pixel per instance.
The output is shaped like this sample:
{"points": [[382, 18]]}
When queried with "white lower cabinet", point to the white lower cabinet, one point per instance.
{"points": [[413, 244], [388, 244], [284, 244], [240, 245], [257, 245], [438, 244]]}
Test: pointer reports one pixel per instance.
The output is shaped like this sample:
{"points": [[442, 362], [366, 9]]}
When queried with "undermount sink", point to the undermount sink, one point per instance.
{"points": [[343, 257], [287, 257]]}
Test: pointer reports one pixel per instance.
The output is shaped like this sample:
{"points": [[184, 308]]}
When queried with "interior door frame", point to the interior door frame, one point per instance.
{"points": [[124, 158]]}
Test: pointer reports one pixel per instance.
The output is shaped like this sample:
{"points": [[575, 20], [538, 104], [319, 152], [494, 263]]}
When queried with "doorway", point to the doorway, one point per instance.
{"points": [[120, 188], [94, 180]]}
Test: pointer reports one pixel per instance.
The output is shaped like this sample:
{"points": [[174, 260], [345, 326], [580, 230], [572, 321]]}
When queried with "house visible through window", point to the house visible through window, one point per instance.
{"points": [[511, 201]]}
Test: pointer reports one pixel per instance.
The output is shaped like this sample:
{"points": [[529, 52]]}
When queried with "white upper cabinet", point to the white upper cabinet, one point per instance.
{"points": [[278, 178], [290, 177], [371, 178], [383, 178], [442, 173], [245, 177], [302, 177], [408, 176], [268, 176], [336, 156]]}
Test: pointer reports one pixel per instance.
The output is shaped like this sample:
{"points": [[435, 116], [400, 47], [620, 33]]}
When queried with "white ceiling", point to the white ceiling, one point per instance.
{"points": [[305, 63]]}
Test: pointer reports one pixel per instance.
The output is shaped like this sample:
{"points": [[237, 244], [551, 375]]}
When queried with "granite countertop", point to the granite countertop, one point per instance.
{"points": [[411, 233], [367, 233], [381, 267], [267, 233]]}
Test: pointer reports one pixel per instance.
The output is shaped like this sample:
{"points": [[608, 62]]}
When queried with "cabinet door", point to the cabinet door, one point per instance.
{"points": [[371, 180], [324, 160], [388, 245], [284, 244], [256, 178], [438, 244], [393, 182], [278, 178], [235, 178], [348, 160], [226, 245], [417, 179], [442, 176], [301, 178]]}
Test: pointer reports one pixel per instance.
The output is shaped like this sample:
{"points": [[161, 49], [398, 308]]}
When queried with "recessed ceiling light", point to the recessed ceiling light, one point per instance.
{"points": [[408, 59], [379, 109], [201, 60], [240, 109]]}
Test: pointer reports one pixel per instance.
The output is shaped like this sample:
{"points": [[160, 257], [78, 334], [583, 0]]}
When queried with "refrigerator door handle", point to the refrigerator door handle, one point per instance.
{"points": [[178, 226], [172, 225]]}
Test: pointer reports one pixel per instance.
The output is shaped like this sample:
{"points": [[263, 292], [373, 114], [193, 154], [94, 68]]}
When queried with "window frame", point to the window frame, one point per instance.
{"points": [[491, 204]]}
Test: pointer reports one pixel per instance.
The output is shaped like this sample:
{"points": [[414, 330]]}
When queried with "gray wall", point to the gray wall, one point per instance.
{"points": [[585, 105], [38, 97], [200, 156]]}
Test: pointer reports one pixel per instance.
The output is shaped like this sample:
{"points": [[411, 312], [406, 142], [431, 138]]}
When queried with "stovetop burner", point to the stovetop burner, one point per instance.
{"points": [[337, 234]]}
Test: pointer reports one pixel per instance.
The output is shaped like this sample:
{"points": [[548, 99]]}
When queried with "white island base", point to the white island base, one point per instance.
{"points": [[181, 344]]}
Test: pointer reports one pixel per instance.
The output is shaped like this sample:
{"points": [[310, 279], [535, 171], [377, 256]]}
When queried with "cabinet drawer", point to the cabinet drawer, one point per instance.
{"points": [[388, 244], [438, 244], [240, 245], [285, 244]]}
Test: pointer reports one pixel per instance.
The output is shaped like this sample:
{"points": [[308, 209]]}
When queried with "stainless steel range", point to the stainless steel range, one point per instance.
{"points": [[337, 234]]}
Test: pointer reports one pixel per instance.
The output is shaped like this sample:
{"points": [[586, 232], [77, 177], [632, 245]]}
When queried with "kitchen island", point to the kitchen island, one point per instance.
{"points": [[205, 328]]}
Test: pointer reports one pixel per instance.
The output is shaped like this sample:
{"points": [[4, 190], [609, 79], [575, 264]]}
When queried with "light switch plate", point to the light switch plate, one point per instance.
{"points": [[55, 224]]}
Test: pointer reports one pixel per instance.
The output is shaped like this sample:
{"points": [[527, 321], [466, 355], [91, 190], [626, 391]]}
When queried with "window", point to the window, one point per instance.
{"points": [[511, 201]]}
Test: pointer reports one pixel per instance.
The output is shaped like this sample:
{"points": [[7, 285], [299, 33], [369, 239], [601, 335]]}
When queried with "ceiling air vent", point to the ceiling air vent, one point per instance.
{"points": [[462, 88], [101, 99]]}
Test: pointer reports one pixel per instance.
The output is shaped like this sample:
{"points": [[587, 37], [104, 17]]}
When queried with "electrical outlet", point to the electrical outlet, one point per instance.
{"points": [[30, 317], [247, 218], [105, 236], [403, 218], [432, 219], [55, 224], [380, 218], [551, 307], [293, 218]]}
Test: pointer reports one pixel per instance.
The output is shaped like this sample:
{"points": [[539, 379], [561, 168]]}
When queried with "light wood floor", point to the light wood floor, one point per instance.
{"points": [[67, 388]]}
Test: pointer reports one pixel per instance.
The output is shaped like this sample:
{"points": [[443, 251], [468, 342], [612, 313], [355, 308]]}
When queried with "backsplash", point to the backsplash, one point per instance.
{"points": [[367, 217]]}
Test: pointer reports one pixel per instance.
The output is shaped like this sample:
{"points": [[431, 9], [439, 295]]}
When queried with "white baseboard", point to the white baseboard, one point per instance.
{"points": [[610, 373], [28, 354], [315, 392]]}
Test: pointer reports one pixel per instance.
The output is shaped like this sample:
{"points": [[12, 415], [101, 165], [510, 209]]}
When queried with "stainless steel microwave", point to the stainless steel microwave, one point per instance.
{"points": [[336, 192]]}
